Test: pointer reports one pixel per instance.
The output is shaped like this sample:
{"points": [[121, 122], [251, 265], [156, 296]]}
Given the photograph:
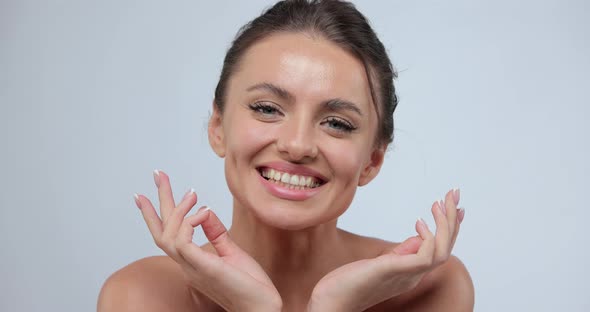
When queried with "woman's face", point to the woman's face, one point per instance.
{"points": [[297, 131]]}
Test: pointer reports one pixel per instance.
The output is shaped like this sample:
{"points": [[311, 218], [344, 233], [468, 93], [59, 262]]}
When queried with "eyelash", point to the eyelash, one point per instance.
{"points": [[335, 123], [339, 124], [259, 108]]}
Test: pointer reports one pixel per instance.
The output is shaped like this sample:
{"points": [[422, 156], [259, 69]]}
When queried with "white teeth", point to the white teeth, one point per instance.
{"points": [[286, 178], [290, 180]]}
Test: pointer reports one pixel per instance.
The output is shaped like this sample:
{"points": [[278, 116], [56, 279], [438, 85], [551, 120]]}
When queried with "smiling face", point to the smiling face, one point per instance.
{"points": [[297, 131]]}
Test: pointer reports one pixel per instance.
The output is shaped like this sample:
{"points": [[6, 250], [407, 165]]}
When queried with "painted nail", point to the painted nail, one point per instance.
{"points": [[423, 222], [456, 195], [204, 208], [157, 177], [137, 200], [188, 193], [461, 214]]}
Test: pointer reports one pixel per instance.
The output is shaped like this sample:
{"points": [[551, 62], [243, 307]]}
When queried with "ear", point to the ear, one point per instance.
{"points": [[215, 131], [373, 165]]}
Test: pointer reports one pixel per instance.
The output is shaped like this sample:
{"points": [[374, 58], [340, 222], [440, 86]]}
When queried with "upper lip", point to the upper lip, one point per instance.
{"points": [[291, 168]]}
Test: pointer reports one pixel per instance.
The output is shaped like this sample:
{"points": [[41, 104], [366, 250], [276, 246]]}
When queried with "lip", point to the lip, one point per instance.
{"points": [[287, 193], [293, 169]]}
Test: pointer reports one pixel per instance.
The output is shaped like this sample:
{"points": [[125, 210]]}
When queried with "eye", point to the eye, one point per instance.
{"points": [[339, 124], [265, 109]]}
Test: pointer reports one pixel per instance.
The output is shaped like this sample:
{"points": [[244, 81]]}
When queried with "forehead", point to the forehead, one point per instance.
{"points": [[311, 68]]}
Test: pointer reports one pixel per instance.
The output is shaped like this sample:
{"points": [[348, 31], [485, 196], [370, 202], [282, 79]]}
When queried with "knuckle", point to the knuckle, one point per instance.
{"points": [[158, 242], [440, 259], [163, 242], [179, 245]]}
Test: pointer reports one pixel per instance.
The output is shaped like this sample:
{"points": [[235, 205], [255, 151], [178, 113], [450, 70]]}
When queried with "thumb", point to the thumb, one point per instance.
{"points": [[217, 234], [409, 246], [226, 247]]}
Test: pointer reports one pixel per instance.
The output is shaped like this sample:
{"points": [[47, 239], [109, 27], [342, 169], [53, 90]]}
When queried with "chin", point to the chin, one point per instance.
{"points": [[286, 216]]}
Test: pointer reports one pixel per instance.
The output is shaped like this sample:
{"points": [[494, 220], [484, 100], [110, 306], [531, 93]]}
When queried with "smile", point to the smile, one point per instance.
{"points": [[289, 186]]}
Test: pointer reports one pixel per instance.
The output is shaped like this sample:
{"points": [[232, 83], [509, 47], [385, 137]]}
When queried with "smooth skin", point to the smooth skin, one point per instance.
{"points": [[289, 255]]}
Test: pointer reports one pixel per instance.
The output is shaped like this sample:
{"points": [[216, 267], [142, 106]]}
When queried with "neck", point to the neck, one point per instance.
{"points": [[294, 260]]}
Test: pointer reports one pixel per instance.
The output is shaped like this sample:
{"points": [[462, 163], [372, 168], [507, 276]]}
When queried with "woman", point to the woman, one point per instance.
{"points": [[302, 116]]}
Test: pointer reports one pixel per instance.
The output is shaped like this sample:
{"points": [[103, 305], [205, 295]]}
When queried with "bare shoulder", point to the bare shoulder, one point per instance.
{"points": [[150, 284], [446, 288]]}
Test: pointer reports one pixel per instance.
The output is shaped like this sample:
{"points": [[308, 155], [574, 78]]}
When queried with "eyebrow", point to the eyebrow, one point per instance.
{"points": [[276, 90], [332, 104], [339, 104]]}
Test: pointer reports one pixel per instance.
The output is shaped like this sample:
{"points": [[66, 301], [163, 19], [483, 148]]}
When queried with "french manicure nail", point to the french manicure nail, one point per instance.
{"points": [[461, 214], [203, 209], [423, 222], [456, 195], [189, 192], [137, 200], [157, 177]]}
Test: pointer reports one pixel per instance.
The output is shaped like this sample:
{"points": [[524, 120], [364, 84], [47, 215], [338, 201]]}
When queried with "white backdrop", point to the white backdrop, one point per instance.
{"points": [[95, 95]]}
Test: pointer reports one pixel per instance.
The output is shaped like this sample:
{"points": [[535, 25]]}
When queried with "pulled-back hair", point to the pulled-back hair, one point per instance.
{"points": [[336, 21]]}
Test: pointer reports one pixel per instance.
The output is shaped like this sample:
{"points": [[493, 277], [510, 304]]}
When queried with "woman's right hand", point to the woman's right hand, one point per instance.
{"points": [[232, 278]]}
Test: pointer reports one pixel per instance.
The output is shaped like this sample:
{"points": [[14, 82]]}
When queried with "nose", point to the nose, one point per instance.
{"points": [[296, 141]]}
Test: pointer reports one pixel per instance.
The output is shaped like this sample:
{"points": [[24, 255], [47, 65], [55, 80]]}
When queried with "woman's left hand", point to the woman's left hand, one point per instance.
{"points": [[361, 284]]}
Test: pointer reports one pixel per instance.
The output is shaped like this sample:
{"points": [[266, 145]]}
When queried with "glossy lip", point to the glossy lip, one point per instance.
{"points": [[287, 193]]}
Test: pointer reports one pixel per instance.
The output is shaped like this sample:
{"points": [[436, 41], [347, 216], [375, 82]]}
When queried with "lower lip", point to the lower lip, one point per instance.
{"points": [[287, 193]]}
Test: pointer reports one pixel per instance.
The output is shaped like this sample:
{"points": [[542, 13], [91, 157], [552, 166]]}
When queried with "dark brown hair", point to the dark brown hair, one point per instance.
{"points": [[334, 20]]}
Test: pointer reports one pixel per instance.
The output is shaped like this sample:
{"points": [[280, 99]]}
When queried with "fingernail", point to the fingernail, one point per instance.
{"points": [[456, 195], [442, 205], [189, 192], [437, 204], [203, 209], [137, 200], [423, 222], [461, 214], [157, 177]]}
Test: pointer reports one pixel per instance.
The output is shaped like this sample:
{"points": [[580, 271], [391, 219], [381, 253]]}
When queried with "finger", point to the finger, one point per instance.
{"points": [[423, 259], [175, 219], [187, 227], [164, 194], [188, 250], [217, 234], [460, 216], [451, 202], [443, 235], [426, 251], [150, 216], [409, 246]]}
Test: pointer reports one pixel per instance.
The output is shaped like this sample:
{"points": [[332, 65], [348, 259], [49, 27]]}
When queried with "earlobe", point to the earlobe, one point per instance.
{"points": [[216, 133], [373, 166]]}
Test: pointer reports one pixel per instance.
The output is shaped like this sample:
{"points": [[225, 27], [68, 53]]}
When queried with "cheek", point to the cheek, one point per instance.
{"points": [[247, 137], [346, 159]]}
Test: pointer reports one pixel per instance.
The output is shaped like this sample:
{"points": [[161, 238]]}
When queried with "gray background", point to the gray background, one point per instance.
{"points": [[95, 95]]}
